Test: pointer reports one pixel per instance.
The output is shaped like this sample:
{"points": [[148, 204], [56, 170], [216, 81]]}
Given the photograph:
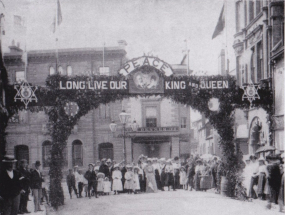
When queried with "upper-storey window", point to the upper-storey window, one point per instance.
{"points": [[51, 70], [61, 71], [104, 71], [238, 16], [20, 76], [251, 10], [151, 116], [259, 62], [258, 6], [252, 66], [69, 71]]}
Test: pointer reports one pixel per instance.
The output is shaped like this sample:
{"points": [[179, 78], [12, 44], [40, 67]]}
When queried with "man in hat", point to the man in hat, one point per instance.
{"points": [[162, 173], [26, 183], [104, 168], [36, 185], [11, 186]]}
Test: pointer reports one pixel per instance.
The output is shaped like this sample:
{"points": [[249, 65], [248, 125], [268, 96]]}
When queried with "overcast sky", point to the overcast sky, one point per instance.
{"points": [[156, 26]]}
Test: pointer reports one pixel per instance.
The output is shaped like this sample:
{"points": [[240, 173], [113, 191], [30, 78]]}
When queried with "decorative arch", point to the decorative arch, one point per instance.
{"points": [[106, 150], [193, 91]]}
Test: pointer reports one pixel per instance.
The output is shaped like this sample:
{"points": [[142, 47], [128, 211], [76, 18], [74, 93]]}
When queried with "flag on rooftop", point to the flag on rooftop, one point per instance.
{"points": [[58, 17]]}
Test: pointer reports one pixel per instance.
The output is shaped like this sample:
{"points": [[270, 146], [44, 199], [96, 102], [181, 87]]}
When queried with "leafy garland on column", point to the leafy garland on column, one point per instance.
{"points": [[52, 100]]}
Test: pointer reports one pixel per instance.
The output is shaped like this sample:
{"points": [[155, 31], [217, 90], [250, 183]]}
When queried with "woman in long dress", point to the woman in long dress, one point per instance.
{"points": [[129, 180], [136, 180], [197, 175], [150, 178]]}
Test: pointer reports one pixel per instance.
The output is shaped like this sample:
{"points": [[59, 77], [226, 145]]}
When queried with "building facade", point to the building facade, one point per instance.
{"points": [[163, 125], [259, 49]]}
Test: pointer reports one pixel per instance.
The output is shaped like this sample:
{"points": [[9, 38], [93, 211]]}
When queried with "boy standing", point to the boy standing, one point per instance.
{"points": [[70, 180]]}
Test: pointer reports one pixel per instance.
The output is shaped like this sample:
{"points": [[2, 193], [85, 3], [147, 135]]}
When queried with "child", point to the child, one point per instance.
{"points": [[90, 175], [70, 180], [100, 183], [117, 179], [107, 186], [136, 187], [129, 182], [44, 191], [182, 179], [80, 184]]}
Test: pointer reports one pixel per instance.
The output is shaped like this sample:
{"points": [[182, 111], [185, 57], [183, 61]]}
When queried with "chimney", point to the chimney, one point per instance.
{"points": [[122, 43]]}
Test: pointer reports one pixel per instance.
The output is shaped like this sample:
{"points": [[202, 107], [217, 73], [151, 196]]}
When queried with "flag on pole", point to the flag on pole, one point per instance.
{"points": [[58, 17], [220, 25]]}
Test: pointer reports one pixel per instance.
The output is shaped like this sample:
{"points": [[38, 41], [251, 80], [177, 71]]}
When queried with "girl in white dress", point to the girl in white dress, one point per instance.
{"points": [[117, 179], [136, 180], [107, 186], [129, 180], [182, 177]]}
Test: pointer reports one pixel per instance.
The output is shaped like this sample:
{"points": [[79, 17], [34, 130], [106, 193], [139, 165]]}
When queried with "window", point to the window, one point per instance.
{"points": [[106, 151], [251, 10], [151, 116], [258, 4], [46, 153], [151, 122], [104, 111], [245, 13], [20, 76], [51, 71], [104, 71], [252, 66], [246, 73], [259, 62], [69, 71], [238, 16], [77, 153], [183, 122], [61, 71]]}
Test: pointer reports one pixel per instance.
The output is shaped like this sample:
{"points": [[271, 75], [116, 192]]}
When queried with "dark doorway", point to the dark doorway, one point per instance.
{"points": [[21, 152], [152, 150]]}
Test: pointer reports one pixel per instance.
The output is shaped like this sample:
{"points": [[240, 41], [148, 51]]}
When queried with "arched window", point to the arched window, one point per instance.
{"points": [[77, 153], [51, 70], [22, 152], [46, 153], [61, 71], [69, 71], [106, 151]]}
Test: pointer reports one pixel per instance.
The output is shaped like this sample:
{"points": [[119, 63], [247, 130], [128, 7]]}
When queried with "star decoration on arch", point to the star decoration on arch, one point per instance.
{"points": [[250, 92], [71, 109], [25, 93]]}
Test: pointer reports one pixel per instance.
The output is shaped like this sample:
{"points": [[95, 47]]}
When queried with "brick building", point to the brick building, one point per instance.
{"points": [[259, 49], [163, 125]]}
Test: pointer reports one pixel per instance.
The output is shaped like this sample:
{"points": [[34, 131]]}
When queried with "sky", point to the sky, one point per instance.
{"points": [[155, 27]]}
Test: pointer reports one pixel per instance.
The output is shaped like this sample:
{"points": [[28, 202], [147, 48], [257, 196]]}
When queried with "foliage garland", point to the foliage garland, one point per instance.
{"points": [[52, 100]]}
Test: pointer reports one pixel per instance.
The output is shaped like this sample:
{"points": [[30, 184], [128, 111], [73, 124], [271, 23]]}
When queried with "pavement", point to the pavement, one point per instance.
{"points": [[164, 203], [31, 207]]}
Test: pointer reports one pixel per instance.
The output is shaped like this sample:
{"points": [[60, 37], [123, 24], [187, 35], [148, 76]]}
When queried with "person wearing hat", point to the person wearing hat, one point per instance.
{"points": [[136, 187], [100, 183], [110, 166], [190, 173], [70, 180], [129, 180], [162, 173], [169, 179], [197, 178], [104, 168], [262, 175], [11, 186], [91, 177], [36, 185], [26, 183], [274, 178], [155, 165], [117, 179], [176, 167], [150, 177]]}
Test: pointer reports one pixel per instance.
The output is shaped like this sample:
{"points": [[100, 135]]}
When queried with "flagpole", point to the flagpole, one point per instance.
{"points": [[103, 55], [226, 27], [56, 40]]}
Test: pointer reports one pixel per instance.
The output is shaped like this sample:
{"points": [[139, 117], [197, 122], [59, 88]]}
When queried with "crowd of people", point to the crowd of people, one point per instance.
{"points": [[16, 186], [147, 175], [264, 179]]}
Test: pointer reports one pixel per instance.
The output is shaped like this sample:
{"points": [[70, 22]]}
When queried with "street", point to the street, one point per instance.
{"points": [[168, 202]]}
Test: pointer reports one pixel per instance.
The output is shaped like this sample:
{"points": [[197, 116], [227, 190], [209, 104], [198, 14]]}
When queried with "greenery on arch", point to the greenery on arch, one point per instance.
{"points": [[52, 100]]}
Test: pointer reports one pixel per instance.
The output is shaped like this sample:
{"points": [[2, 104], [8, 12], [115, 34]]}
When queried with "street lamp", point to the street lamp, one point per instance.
{"points": [[113, 126]]}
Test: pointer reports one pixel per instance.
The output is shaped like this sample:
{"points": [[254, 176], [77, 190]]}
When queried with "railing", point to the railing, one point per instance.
{"points": [[158, 129]]}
